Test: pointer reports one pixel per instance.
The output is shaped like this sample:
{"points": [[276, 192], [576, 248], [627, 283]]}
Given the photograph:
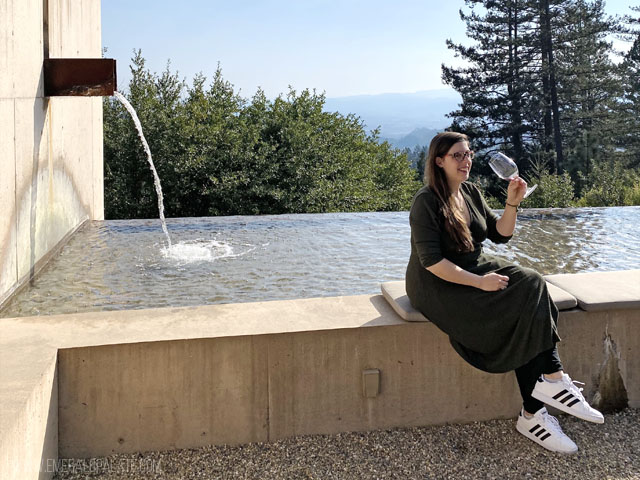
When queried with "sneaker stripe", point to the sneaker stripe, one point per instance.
{"points": [[567, 398], [534, 428], [573, 403], [545, 437], [540, 432], [556, 397]]}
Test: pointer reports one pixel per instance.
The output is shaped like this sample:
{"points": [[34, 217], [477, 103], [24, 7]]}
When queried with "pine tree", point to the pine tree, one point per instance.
{"points": [[496, 107], [551, 140], [540, 80], [628, 137], [588, 85]]}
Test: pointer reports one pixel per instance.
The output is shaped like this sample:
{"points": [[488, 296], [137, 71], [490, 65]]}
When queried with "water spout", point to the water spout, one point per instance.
{"points": [[156, 179], [84, 77]]}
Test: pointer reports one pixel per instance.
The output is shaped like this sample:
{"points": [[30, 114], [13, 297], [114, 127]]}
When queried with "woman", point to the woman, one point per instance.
{"points": [[499, 316]]}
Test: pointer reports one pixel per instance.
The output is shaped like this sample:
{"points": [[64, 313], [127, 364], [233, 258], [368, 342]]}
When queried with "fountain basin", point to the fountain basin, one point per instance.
{"points": [[125, 264]]}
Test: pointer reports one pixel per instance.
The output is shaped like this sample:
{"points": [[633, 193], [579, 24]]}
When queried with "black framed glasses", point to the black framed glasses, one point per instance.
{"points": [[459, 156]]}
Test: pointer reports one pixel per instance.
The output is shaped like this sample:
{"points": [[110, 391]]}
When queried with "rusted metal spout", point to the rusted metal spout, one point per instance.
{"points": [[85, 77]]}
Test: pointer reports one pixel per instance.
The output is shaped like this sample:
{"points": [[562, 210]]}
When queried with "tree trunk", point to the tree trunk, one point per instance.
{"points": [[545, 29], [514, 93]]}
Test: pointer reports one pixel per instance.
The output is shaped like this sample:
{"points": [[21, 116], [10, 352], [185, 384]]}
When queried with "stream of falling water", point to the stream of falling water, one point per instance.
{"points": [[156, 179]]}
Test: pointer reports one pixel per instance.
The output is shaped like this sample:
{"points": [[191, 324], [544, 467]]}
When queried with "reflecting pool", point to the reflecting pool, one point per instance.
{"points": [[114, 265]]}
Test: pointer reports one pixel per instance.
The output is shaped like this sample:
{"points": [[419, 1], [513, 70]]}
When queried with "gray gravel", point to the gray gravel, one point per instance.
{"points": [[480, 450]]}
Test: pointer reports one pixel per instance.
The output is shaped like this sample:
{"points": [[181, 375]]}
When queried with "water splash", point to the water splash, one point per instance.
{"points": [[156, 178], [201, 251]]}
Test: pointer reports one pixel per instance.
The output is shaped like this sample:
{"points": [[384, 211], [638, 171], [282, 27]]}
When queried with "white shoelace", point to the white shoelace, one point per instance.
{"points": [[573, 387], [551, 423]]}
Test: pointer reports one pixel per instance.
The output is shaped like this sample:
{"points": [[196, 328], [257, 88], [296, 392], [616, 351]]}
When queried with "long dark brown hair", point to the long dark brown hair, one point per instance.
{"points": [[436, 179]]}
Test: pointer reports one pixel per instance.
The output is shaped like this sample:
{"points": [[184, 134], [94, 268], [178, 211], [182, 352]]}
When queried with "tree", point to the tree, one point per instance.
{"points": [[628, 140], [219, 154], [540, 81], [496, 87], [589, 86], [551, 110]]}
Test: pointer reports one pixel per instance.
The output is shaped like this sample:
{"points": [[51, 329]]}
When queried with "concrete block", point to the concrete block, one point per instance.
{"points": [[8, 268], [315, 382], [29, 439], [97, 181], [22, 41], [238, 373], [396, 294], [71, 147], [563, 299], [32, 182], [74, 29], [602, 290], [78, 116], [591, 338], [7, 33], [159, 395], [56, 175]]}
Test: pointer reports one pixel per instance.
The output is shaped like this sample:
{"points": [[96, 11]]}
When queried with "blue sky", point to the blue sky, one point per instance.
{"points": [[346, 47]]}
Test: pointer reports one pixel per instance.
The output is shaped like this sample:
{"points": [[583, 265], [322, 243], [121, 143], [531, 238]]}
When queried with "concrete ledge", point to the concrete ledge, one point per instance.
{"points": [[185, 377], [601, 290], [563, 299], [396, 294]]}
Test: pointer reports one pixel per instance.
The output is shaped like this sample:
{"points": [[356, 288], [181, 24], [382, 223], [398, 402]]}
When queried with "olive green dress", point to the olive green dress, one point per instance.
{"points": [[493, 331]]}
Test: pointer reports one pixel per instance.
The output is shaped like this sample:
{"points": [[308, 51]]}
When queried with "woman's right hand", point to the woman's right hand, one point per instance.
{"points": [[492, 282]]}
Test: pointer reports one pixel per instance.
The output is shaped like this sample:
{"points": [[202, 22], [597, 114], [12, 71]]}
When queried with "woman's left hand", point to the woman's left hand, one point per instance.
{"points": [[516, 190]]}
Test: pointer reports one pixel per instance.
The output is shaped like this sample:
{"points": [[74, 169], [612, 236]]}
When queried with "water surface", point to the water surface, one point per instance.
{"points": [[125, 264]]}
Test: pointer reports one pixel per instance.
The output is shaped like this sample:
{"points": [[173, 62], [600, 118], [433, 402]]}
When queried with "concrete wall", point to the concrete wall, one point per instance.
{"points": [[29, 435], [190, 393], [51, 174], [91, 384]]}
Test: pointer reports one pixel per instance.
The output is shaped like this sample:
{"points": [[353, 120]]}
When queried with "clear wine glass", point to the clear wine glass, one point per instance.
{"points": [[506, 169]]}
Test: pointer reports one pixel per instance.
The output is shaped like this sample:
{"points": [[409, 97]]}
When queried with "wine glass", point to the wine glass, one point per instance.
{"points": [[506, 169]]}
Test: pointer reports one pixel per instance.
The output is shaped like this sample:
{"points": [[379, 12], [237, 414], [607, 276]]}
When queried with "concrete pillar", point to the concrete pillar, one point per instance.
{"points": [[51, 177]]}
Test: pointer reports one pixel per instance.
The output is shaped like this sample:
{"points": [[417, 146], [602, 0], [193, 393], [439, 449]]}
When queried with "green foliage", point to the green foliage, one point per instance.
{"points": [[492, 201], [632, 194], [417, 159], [609, 184], [553, 191], [219, 154]]}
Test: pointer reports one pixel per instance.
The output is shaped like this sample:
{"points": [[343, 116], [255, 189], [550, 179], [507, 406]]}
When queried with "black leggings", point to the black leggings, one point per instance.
{"points": [[546, 362]]}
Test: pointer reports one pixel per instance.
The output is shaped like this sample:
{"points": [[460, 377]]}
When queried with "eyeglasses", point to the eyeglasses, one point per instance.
{"points": [[459, 156]]}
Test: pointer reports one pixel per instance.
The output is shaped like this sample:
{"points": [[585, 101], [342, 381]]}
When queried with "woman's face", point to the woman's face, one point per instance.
{"points": [[456, 169]]}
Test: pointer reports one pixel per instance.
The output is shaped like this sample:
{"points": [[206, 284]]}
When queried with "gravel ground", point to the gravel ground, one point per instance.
{"points": [[480, 450]]}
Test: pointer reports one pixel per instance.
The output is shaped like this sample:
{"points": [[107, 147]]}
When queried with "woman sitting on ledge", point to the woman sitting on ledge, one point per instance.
{"points": [[499, 316]]}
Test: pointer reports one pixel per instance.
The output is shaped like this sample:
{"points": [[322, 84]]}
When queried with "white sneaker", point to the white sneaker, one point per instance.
{"points": [[545, 430], [566, 396]]}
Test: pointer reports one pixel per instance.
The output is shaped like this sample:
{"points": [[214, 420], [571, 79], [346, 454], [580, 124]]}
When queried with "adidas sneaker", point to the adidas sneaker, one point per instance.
{"points": [[545, 430], [567, 397]]}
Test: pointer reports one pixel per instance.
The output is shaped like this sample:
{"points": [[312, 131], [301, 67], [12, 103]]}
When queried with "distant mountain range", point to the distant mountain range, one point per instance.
{"points": [[417, 138], [405, 119]]}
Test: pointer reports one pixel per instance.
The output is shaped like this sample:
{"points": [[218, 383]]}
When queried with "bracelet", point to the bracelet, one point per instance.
{"points": [[517, 207]]}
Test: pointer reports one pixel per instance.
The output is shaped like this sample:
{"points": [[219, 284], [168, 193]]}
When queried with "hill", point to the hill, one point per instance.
{"points": [[399, 114], [418, 137]]}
